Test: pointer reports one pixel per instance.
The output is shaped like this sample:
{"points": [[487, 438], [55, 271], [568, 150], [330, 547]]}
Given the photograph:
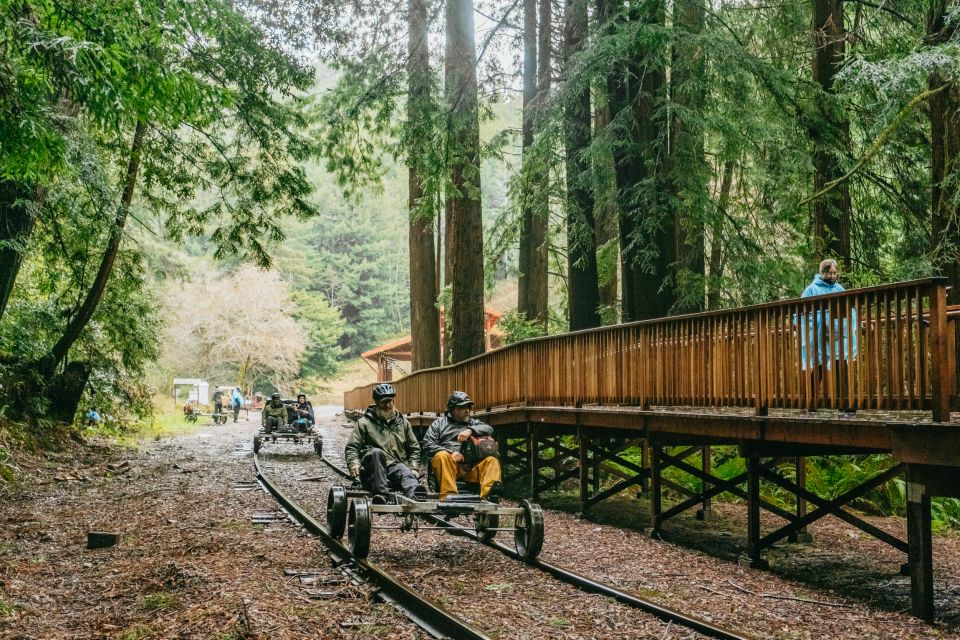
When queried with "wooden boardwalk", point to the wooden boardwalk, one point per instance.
{"points": [[674, 387]]}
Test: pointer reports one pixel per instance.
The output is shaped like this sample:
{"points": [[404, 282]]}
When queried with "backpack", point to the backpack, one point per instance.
{"points": [[476, 448]]}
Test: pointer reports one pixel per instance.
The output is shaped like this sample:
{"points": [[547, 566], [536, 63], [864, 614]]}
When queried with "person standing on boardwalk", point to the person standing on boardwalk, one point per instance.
{"points": [[829, 356], [383, 450]]}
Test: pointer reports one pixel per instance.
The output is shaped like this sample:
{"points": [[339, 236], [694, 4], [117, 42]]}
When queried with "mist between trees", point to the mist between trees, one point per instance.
{"points": [[578, 162]]}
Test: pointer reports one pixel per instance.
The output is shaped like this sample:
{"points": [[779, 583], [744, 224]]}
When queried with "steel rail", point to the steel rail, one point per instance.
{"points": [[586, 584], [432, 619]]}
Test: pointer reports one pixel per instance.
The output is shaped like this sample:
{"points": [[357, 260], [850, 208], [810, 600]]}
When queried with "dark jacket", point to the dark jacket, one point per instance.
{"points": [[442, 434], [396, 438], [307, 409]]}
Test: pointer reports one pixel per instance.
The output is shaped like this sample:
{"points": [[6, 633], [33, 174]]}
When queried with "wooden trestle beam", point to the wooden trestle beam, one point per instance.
{"points": [[759, 469]]}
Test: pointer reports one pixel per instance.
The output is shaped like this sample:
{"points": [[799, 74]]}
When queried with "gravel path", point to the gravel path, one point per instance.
{"points": [[191, 562]]}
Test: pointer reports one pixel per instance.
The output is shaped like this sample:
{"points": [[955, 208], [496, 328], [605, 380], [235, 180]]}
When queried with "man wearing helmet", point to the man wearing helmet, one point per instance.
{"points": [[274, 414], [445, 443], [382, 450]]}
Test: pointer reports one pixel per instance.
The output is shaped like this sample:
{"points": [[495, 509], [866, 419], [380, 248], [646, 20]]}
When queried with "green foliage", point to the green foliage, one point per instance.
{"points": [[324, 326], [161, 601], [353, 256], [516, 327], [222, 157]]}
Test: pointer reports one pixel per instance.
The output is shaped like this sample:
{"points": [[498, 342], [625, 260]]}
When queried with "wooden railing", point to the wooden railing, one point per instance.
{"points": [[884, 347]]}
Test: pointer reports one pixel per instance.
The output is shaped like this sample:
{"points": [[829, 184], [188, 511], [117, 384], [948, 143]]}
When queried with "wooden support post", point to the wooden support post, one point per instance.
{"points": [[645, 463], [656, 504], [534, 447], [752, 558], [940, 378], [705, 512], [920, 541], [595, 479], [801, 535], [584, 441]]}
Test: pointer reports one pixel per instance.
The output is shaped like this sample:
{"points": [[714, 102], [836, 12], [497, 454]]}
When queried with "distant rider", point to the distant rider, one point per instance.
{"points": [[303, 413], [383, 451], [274, 413], [447, 439]]}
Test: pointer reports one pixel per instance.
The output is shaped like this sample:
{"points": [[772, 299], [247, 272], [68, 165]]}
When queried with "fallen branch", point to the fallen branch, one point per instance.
{"points": [[793, 598]]}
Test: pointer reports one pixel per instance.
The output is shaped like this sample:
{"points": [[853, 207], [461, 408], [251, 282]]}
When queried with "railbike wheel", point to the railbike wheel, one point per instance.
{"points": [[529, 530], [486, 525], [359, 527], [256, 444], [318, 446], [337, 510]]}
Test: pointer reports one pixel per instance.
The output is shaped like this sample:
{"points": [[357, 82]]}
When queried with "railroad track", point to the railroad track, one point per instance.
{"points": [[432, 619], [583, 583]]}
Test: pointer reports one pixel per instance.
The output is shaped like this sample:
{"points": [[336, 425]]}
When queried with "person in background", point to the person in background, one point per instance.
{"points": [[236, 401], [383, 451], [218, 400], [92, 418]]}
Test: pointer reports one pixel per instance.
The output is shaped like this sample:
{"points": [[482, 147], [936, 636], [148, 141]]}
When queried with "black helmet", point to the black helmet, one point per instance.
{"points": [[301, 395], [458, 399], [383, 390], [275, 397]]}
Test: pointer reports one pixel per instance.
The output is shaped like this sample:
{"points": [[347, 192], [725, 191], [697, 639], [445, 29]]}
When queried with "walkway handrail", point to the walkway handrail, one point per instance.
{"points": [[882, 347]]}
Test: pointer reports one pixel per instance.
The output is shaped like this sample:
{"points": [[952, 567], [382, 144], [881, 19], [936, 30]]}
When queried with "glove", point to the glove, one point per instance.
{"points": [[354, 471]]}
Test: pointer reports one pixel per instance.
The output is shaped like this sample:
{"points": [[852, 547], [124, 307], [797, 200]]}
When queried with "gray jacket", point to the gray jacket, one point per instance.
{"points": [[442, 435]]}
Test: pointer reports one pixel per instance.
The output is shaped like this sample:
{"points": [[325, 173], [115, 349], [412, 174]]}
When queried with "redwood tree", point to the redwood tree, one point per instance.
{"points": [[828, 130], [687, 166], [944, 151], [583, 294], [463, 206], [424, 316], [529, 104]]}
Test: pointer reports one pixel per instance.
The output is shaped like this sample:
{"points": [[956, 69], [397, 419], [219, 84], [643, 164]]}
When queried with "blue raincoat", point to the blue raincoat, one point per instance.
{"points": [[818, 331]]}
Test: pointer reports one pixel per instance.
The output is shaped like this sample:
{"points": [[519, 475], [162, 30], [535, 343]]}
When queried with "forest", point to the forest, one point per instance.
{"points": [[173, 173]]}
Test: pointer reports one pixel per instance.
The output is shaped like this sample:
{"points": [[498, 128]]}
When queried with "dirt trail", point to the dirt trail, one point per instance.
{"points": [[203, 553], [190, 562]]}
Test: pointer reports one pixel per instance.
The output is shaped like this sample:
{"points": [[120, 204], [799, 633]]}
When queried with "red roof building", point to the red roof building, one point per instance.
{"points": [[397, 355]]}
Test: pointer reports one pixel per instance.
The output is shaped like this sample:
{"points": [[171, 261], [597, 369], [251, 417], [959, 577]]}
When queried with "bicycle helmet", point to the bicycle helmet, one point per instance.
{"points": [[383, 390]]}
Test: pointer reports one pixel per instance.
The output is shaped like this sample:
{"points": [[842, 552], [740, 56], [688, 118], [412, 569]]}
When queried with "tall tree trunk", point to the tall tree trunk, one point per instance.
{"points": [[424, 317], [16, 228], [537, 290], [829, 131], [623, 136], [647, 237], [59, 351], [605, 211], [464, 207], [529, 104], [687, 165], [944, 151], [716, 233], [583, 294]]}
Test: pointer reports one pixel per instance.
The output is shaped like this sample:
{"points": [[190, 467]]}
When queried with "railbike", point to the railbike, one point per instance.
{"points": [[357, 513]]}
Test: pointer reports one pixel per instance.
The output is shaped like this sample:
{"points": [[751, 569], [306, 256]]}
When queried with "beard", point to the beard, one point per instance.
{"points": [[386, 414]]}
